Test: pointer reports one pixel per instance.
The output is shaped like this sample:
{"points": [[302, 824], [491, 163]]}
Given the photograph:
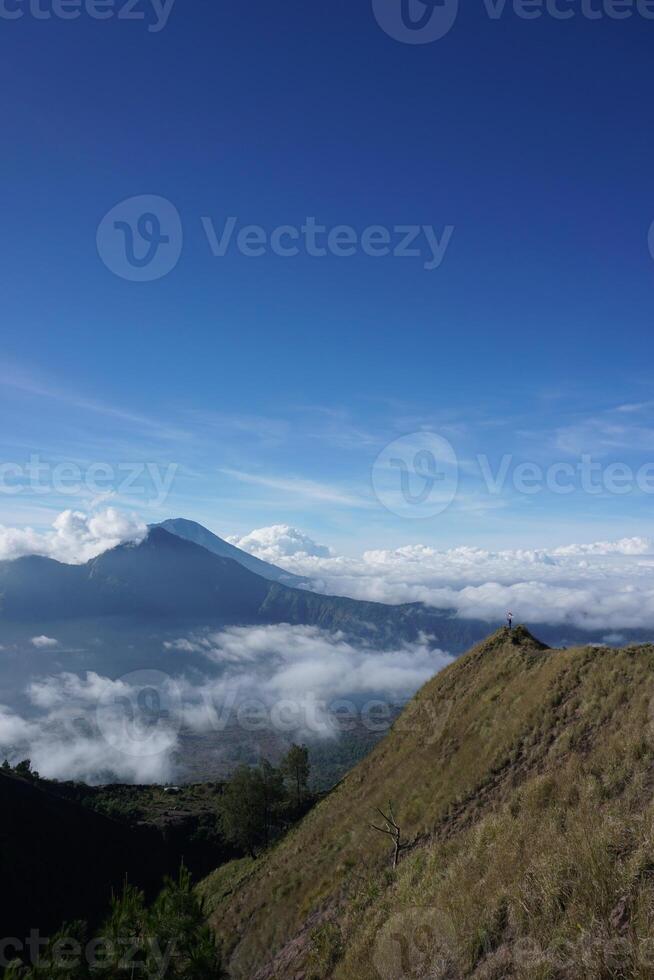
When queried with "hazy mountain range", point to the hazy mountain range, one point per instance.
{"points": [[182, 573], [167, 578]]}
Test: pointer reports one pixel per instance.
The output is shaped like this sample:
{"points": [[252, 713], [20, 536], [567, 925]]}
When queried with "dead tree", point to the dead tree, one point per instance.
{"points": [[391, 829]]}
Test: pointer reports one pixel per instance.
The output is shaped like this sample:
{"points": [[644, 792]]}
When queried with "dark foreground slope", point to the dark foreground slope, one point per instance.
{"points": [[65, 847], [522, 779], [61, 861]]}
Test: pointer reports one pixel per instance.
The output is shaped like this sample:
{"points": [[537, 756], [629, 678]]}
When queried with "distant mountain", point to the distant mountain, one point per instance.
{"points": [[191, 531], [167, 579], [164, 576]]}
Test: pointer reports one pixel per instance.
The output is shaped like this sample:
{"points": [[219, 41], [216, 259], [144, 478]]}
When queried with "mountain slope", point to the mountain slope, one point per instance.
{"points": [[191, 531], [168, 576], [162, 576], [522, 779]]}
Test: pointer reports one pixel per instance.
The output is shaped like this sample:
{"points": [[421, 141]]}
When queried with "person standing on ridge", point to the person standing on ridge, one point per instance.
{"points": [[509, 619]]}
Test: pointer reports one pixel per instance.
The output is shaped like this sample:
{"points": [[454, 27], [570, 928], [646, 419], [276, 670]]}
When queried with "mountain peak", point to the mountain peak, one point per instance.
{"points": [[158, 536], [192, 531], [518, 636]]}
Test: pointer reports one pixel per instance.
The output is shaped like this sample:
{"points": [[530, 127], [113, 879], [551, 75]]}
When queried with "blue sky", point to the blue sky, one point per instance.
{"points": [[266, 387]]}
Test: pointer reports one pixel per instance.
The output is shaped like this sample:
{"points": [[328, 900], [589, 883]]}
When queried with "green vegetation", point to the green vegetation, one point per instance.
{"points": [[65, 847], [522, 781], [150, 804], [332, 759], [295, 767], [256, 806], [249, 805], [168, 940], [22, 769]]}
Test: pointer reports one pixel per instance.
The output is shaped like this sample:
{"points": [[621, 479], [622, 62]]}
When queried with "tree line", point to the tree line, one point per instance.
{"points": [[259, 803]]}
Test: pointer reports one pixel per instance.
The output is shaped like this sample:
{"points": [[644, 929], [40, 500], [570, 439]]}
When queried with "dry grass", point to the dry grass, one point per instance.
{"points": [[523, 777]]}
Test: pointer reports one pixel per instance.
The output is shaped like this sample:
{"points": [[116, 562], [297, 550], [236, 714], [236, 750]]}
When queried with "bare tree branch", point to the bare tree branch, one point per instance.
{"points": [[392, 829], [382, 830]]}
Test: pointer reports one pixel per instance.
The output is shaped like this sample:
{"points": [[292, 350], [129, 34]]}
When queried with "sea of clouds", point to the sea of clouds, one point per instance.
{"points": [[299, 682], [605, 585]]}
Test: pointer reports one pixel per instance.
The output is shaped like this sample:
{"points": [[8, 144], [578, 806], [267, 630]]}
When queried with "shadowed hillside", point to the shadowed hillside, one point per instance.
{"points": [[61, 860], [522, 781]]}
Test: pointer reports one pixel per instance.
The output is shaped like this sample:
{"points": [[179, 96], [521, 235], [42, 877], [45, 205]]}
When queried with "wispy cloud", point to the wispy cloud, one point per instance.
{"points": [[18, 379], [272, 432], [307, 489]]}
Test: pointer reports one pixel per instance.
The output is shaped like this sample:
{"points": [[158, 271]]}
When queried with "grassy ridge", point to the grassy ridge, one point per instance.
{"points": [[522, 780]]}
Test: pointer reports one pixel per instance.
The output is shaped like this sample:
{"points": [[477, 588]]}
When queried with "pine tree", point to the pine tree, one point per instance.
{"points": [[295, 766]]}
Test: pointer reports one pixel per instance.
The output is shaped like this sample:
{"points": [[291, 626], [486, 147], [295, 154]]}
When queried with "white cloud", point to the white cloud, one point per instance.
{"points": [[44, 642], [89, 728], [605, 585], [286, 679], [280, 541], [297, 673], [306, 489], [13, 728], [286, 660], [625, 546], [67, 688], [66, 743], [75, 537]]}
